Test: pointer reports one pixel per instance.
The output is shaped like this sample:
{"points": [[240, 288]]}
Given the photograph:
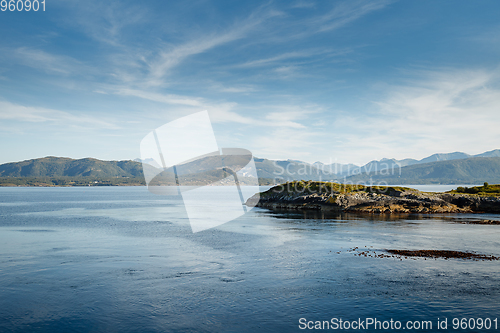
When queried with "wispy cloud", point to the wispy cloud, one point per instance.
{"points": [[104, 21], [283, 119], [170, 57], [293, 133], [438, 111], [235, 89], [161, 98], [11, 111], [487, 36], [282, 143], [311, 55], [46, 62], [304, 4], [347, 12], [341, 14], [289, 116], [275, 59], [219, 112]]}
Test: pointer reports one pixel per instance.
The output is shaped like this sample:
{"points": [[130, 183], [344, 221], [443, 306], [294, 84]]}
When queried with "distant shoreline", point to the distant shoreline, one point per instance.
{"points": [[139, 181], [70, 181]]}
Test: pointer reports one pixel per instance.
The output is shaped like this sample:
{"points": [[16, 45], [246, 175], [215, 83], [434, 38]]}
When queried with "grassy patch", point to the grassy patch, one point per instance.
{"points": [[485, 190], [329, 188]]}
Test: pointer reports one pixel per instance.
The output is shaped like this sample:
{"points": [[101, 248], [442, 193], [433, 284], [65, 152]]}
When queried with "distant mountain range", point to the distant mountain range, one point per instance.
{"points": [[473, 170], [66, 167], [452, 168], [390, 163]]}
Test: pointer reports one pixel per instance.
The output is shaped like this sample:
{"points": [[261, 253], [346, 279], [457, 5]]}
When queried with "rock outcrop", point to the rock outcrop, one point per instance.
{"points": [[377, 200]]}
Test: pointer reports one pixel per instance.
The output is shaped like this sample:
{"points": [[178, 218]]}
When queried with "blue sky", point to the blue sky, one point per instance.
{"points": [[334, 81]]}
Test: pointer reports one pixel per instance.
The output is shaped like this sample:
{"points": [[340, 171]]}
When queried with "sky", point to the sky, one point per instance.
{"points": [[329, 81]]}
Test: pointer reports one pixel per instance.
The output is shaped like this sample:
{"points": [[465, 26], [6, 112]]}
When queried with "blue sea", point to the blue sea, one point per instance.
{"points": [[120, 259]]}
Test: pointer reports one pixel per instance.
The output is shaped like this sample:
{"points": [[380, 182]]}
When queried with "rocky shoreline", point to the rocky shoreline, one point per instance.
{"points": [[375, 200]]}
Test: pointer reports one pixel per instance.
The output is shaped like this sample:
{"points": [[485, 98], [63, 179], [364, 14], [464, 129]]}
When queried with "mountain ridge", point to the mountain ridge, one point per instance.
{"points": [[474, 170], [52, 166], [449, 168], [388, 163]]}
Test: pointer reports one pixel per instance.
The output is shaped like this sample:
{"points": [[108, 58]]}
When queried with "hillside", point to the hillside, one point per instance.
{"points": [[390, 163], [60, 171], [67, 167], [459, 171], [266, 169]]}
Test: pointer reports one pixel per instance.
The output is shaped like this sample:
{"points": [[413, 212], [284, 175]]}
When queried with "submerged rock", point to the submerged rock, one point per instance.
{"points": [[446, 254]]}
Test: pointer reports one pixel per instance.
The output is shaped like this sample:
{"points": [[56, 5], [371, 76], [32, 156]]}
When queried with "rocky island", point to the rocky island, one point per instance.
{"points": [[335, 197]]}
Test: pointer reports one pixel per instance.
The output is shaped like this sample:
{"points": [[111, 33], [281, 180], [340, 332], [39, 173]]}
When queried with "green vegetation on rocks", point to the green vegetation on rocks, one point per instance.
{"points": [[317, 187], [485, 190], [329, 196]]}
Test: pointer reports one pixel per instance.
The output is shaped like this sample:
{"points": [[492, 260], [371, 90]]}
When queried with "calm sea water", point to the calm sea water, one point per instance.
{"points": [[120, 259]]}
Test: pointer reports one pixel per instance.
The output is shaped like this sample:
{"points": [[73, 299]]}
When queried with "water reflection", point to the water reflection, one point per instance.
{"points": [[350, 216]]}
